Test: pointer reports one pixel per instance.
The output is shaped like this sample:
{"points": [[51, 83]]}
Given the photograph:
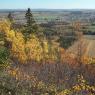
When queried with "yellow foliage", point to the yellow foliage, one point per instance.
{"points": [[27, 51], [88, 60], [17, 41], [65, 92], [80, 86], [34, 49]]}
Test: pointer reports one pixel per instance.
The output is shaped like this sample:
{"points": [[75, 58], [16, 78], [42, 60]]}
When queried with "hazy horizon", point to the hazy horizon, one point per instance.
{"points": [[44, 9], [47, 4]]}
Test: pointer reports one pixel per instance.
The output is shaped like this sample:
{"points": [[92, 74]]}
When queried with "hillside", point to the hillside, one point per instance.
{"points": [[46, 53]]}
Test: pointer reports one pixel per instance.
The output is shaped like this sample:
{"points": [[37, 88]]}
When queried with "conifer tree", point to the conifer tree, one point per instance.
{"points": [[31, 26], [10, 17]]}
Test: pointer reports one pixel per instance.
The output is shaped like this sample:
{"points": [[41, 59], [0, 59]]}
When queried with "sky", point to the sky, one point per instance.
{"points": [[47, 4]]}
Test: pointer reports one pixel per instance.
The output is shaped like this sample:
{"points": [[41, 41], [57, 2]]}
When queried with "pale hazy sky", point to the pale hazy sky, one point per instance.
{"points": [[51, 4]]}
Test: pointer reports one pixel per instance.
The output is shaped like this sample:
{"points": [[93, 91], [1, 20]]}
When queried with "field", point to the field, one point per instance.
{"points": [[87, 43]]}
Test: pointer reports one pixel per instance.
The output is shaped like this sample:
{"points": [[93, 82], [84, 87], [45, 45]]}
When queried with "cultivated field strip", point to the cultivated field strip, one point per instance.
{"points": [[86, 46]]}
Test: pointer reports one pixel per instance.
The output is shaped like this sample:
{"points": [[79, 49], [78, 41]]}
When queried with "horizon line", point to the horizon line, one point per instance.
{"points": [[48, 8]]}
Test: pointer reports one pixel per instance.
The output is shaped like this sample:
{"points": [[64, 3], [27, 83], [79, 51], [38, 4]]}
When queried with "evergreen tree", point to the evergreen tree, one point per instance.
{"points": [[31, 26], [10, 17]]}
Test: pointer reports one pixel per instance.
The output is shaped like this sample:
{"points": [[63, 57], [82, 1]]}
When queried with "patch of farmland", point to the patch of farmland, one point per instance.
{"points": [[86, 46]]}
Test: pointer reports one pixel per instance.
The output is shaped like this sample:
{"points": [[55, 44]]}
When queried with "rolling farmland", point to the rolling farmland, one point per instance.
{"points": [[86, 44]]}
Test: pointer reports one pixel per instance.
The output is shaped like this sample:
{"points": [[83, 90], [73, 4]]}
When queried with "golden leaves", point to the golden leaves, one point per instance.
{"points": [[32, 50], [81, 86]]}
